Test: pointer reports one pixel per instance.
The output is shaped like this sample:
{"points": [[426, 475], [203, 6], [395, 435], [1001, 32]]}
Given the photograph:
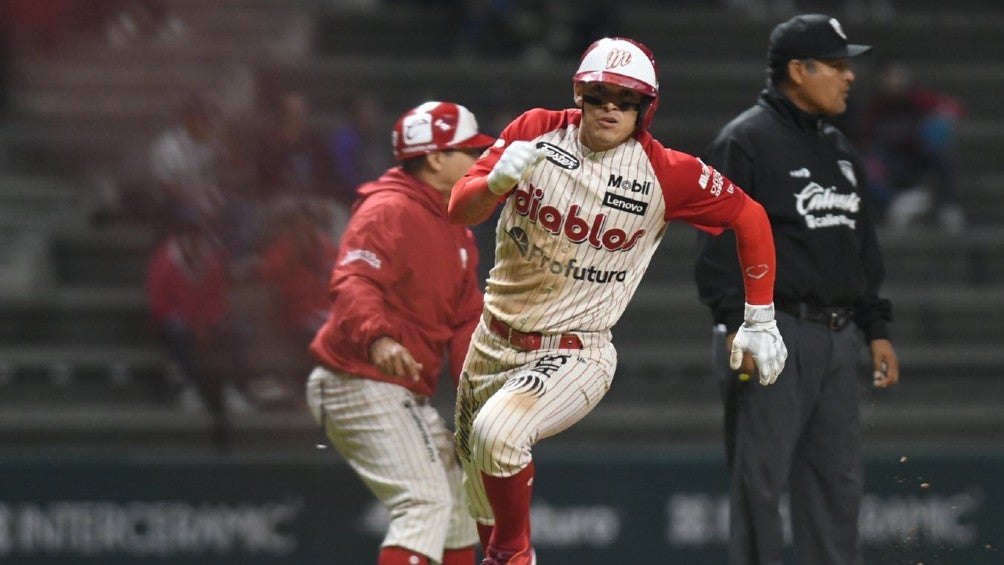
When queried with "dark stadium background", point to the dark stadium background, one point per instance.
{"points": [[95, 467]]}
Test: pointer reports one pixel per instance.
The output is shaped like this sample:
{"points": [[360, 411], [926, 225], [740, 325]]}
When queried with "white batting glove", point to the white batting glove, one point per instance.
{"points": [[759, 335], [516, 161]]}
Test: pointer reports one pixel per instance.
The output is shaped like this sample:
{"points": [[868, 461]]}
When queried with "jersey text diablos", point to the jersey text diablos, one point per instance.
{"points": [[576, 229]]}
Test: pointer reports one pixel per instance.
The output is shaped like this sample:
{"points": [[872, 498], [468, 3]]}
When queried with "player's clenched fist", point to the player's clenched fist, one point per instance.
{"points": [[760, 337], [394, 359], [516, 161]]}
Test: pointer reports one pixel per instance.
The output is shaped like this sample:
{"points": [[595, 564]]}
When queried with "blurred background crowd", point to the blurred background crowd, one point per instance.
{"points": [[174, 179], [175, 174]]}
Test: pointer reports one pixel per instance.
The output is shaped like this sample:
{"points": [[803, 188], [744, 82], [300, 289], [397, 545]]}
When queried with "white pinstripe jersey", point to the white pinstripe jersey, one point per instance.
{"points": [[576, 235]]}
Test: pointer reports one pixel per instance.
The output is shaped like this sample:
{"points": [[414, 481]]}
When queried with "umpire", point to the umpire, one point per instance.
{"points": [[803, 433]]}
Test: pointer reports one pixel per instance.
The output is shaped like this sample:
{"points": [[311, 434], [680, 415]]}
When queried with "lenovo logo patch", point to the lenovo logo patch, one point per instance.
{"points": [[624, 204]]}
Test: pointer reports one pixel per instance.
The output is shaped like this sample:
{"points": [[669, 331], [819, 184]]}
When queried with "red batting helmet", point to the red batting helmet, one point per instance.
{"points": [[436, 126], [624, 62]]}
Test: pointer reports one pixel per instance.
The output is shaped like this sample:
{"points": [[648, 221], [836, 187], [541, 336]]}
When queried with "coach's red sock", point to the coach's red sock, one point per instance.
{"points": [[400, 556], [459, 556], [484, 533], [510, 501]]}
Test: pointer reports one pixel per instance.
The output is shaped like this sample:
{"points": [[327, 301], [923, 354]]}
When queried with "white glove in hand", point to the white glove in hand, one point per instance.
{"points": [[516, 161], [759, 335]]}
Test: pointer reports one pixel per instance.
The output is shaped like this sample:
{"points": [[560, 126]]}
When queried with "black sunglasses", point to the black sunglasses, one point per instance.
{"points": [[622, 106]]}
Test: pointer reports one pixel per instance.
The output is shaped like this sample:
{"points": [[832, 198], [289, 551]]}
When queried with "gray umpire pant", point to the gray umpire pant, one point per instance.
{"points": [[803, 433]]}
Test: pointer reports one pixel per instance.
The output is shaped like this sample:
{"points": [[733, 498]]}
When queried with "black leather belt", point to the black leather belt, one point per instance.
{"points": [[833, 317]]}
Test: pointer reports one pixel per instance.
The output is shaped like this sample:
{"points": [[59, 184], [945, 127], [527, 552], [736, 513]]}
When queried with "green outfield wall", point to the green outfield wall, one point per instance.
{"points": [[592, 506]]}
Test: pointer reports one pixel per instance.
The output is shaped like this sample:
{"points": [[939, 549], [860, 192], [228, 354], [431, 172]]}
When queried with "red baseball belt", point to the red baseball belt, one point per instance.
{"points": [[531, 341]]}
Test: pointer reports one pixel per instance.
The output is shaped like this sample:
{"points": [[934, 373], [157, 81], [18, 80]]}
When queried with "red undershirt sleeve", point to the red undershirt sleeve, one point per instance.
{"points": [[471, 202], [755, 246]]}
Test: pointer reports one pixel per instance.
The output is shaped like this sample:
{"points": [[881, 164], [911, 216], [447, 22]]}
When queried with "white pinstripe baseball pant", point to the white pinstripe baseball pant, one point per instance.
{"points": [[402, 449], [509, 399]]}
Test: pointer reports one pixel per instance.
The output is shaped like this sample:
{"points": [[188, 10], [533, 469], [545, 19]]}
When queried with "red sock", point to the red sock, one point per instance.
{"points": [[459, 556], [485, 533], [510, 501], [400, 556]]}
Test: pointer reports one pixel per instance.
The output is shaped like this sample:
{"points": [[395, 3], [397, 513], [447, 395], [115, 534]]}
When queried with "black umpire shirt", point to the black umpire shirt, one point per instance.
{"points": [[809, 178]]}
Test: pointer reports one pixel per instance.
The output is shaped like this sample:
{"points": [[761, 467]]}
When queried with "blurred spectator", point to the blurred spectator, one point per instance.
{"points": [[188, 292], [292, 159], [47, 26], [907, 137], [295, 269], [294, 166], [358, 147], [191, 168], [184, 165], [358, 150], [131, 21], [187, 166]]}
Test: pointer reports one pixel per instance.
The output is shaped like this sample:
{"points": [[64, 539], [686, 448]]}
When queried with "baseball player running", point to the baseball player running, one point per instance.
{"points": [[586, 195], [404, 290]]}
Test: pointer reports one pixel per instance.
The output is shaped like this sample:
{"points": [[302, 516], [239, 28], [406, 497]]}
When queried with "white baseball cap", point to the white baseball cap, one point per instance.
{"points": [[436, 126]]}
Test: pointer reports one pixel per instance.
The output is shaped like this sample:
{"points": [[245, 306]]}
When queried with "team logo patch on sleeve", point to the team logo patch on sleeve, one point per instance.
{"points": [[848, 170], [713, 181], [362, 255]]}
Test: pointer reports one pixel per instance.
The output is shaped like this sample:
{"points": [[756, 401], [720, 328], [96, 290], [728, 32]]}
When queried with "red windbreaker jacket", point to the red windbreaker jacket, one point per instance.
{"points": [[406, 272]]}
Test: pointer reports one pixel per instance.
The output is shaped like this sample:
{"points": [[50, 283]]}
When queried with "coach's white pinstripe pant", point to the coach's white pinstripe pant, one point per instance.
{"points": [[402, 449], [509, 399]]}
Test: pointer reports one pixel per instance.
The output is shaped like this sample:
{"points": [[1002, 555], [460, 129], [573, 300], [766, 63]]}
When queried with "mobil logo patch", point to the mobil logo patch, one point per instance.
{"points": [[559, 156], [640, 186]]}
